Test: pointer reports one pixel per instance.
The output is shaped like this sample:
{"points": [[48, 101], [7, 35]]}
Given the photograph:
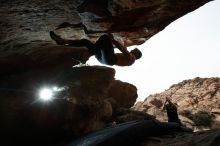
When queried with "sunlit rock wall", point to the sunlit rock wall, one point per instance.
{"points": [[191, 96]]}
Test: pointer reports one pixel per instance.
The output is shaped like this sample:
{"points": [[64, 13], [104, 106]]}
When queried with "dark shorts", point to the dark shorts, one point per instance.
{"points": [[102, 49], [105, 50]]}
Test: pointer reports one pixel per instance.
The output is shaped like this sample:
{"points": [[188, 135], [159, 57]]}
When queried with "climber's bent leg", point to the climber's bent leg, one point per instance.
{"points": [[105, 50]]}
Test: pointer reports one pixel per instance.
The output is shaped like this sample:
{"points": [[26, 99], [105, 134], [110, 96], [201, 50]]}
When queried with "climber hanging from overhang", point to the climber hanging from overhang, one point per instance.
{"points": [[103, 49]]}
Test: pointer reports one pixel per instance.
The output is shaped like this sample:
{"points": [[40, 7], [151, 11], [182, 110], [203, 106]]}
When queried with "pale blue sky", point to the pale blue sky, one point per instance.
{"points": [[187, 48]]}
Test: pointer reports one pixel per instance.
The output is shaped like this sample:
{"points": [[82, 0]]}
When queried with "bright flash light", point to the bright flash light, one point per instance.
{"points": [[46, 94], [55, 88]]}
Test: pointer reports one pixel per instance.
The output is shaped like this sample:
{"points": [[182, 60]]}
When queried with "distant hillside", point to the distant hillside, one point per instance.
{"points": [[198, 95]]}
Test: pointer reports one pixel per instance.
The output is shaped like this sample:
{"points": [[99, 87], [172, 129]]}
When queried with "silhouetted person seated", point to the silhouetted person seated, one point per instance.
{"points": [[172, 112], [103, 49]]}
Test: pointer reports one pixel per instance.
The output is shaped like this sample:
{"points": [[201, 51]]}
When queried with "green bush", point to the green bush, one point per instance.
{"points": [[202, 118]]}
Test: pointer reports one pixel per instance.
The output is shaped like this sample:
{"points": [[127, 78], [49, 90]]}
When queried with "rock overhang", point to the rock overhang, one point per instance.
{"points": [[28, 56], [25, 26]]}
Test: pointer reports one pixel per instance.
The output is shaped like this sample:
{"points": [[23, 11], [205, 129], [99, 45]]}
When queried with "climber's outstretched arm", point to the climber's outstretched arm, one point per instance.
{"points": [[119, 45]]}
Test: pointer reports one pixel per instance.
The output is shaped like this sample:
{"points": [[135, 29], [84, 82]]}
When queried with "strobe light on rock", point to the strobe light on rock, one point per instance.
{"points": [[51, 93], [46, 94]]}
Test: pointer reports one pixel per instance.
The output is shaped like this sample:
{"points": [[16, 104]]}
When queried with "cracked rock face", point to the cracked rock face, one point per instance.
{"points": [[191, 96], [24, 26]]}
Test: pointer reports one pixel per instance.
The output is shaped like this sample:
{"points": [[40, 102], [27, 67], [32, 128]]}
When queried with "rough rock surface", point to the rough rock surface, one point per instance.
{"points": [[202, 138], [125, 99], [86, 103], [191, 96], [24, 26], [29, 59]]}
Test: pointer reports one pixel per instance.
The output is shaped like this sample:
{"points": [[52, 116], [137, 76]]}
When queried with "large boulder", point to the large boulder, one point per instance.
{"points": [[202, 138], [86, 102]]}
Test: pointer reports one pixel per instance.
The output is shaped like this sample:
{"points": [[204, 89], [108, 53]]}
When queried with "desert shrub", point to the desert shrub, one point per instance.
{"points": [[202, 118]]}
